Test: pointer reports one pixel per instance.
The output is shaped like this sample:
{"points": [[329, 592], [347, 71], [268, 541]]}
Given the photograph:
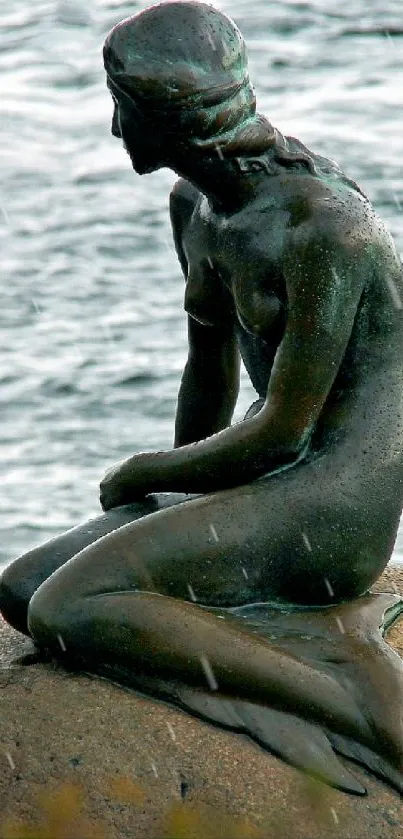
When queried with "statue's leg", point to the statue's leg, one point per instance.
{"points": [[214, 667], [296, 536], [119, 607], [129, 634], [22, 577]]}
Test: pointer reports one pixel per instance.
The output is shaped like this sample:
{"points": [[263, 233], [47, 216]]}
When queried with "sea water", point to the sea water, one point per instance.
{"points": [[93, 333]]}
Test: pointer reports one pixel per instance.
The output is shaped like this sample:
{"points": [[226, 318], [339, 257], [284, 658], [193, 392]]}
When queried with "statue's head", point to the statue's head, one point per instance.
{"points": [[178, 74]]}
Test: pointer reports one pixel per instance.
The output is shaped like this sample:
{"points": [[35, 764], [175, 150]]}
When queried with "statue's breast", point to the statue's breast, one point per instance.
{"points": [[260, 300], [260, 314], [250, 259], [233, 269], [207, 299]]}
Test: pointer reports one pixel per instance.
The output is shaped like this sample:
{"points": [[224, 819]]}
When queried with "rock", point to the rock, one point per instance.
{"points": [[81, 757]]}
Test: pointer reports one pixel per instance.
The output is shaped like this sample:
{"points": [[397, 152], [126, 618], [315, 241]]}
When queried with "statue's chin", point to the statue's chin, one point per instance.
{"points": [[142, 167]]}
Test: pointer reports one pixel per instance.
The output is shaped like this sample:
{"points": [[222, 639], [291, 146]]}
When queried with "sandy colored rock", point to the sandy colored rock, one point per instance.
{"points": [[81, 757]]}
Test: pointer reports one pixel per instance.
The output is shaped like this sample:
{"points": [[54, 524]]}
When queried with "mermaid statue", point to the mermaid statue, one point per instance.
{"points": [[231, 574]]}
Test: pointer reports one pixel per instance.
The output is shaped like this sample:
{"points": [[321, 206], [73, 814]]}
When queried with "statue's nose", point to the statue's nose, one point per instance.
{"points": [[115, 127]]}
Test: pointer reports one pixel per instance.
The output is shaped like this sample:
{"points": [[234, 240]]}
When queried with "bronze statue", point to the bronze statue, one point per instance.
{"points": [[211, 553]]}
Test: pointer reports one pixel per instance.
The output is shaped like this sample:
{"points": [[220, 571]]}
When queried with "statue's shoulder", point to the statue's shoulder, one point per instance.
{"points": [[324, 209], [182, 201]]}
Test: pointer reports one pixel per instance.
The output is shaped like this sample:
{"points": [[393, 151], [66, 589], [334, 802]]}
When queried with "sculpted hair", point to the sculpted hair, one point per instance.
{"points": [[185, 63]]}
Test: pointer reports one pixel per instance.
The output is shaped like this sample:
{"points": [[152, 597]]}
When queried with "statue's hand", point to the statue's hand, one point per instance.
{"points": [[112, 487], [127, 481]]}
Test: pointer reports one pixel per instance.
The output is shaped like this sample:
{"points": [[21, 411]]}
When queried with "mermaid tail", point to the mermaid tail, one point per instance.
{"points": [[352, 705], [345, 641]]}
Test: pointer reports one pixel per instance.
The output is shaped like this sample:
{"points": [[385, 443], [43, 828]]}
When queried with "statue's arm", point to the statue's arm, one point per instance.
{"points": [[210, 381], [324, 284]]}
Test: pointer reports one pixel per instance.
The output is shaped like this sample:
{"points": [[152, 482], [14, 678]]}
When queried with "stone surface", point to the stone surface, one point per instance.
{"points": [[81, 757]]}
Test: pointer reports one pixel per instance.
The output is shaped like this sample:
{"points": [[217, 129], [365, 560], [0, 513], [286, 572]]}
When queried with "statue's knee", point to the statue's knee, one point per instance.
{"points": [[15, 594], [6, 590], [47, 615]]}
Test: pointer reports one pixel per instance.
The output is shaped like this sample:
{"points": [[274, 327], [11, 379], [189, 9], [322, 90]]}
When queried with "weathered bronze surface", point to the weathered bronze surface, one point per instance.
{"points": [[229, 575]]}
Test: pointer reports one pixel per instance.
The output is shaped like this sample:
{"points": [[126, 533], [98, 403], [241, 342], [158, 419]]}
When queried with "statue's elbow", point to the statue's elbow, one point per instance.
{"points": [[296, 446], [286, 451]]}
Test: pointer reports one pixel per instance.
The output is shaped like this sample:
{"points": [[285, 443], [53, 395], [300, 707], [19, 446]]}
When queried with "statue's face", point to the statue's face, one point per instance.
{"points": [[140, 136]]}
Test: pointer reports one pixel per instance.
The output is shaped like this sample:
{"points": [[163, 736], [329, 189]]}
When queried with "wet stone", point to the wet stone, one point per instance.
{"points": [[209, 782]]}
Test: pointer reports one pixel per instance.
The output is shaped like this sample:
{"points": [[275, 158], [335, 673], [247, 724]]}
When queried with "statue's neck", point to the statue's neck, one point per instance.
{"points": [[229, 184]]}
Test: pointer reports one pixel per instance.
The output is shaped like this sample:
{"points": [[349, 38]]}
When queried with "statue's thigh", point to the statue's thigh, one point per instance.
{"points": [[23, 577], [293, 536], [226, 548]]}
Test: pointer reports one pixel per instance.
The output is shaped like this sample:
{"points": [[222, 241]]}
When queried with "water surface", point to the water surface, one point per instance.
{"points": [[93, 336]]}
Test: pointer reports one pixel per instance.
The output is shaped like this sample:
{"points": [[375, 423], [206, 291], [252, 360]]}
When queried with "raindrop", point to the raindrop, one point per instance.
{"points": [[334, 814], [191, 593], [245, 573], [329, 587], [78, 353], [389, 39], [219, 152], [5, 215], [208, 672], [393, 292], [341, 626], [154, 768], [10, 760], [61, 642], [167, 242], [397, 202], [171, 731], [306, 541], [211, 42], [214, 533], [36, 307]]}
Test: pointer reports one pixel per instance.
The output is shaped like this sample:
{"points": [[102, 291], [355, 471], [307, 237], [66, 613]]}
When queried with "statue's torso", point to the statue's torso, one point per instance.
{"points": [[236, 272]]}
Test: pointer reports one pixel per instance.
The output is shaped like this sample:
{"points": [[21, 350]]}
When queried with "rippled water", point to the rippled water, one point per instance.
{"points": [[93, 333]]}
